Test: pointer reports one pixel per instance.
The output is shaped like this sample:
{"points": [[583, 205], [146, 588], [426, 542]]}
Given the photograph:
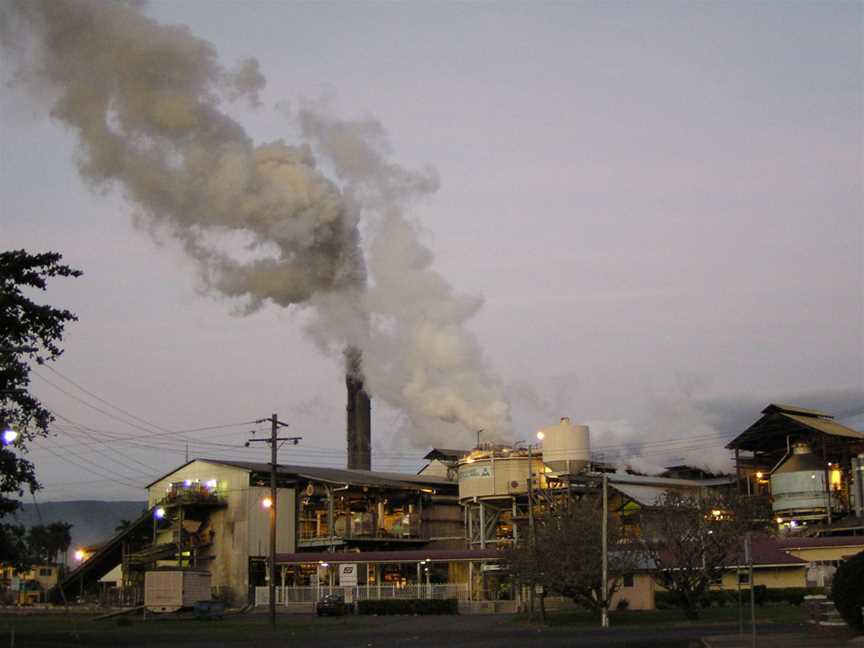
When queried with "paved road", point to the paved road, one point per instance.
{"points": [[395, 632]]}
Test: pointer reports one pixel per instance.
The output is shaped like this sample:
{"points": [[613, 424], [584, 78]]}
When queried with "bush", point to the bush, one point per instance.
{"points": [[729, 598], [847, 590], [623, 604], [409, 606]]}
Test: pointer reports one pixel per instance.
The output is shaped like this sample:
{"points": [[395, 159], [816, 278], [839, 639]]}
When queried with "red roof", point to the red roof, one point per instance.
{"points": [[387, 556], [832, 541], [765, 552]]}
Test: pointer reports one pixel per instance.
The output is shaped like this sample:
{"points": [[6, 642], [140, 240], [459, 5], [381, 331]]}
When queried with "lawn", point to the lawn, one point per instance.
{"points": [[710, 616]]}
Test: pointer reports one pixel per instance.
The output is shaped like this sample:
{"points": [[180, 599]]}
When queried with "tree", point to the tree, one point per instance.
{"points": [[567, 557], [847, 591], [29, 332], [690, 540]]}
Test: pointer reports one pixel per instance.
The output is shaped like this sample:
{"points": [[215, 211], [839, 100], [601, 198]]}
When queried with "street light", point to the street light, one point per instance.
{"points": [[159, 513], [9, 436]]}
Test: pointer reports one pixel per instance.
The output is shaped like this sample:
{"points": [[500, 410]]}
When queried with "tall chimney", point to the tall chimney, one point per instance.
{"points": [[358, 413]]}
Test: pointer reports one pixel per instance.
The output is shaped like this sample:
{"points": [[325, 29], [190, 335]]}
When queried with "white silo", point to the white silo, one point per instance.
{"points": [[566, 447]]}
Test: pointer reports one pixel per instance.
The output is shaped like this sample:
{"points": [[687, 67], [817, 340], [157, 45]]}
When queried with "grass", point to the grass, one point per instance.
{"points": [[675, 618]]}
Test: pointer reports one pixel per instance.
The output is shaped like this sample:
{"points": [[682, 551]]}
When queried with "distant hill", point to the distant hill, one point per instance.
{"points": [[92, 520]]}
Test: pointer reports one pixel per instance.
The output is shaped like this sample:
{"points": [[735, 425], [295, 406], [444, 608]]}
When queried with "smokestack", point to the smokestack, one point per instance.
{"points": [[358, 413]]}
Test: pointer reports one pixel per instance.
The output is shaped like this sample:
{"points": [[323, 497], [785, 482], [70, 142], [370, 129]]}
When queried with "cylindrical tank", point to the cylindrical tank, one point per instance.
{"points": [[497, 473], [798, 486], [566, 447]]}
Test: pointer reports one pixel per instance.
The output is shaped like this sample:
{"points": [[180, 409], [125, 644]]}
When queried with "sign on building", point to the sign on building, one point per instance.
{"points": [[348, 575]]}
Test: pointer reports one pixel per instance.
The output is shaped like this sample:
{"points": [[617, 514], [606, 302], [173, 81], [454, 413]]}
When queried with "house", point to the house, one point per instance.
{"points": [[30, 586]]}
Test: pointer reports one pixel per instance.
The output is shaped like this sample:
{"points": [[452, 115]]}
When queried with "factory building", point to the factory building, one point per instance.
{"points": [[440, 532], [810, 465]]}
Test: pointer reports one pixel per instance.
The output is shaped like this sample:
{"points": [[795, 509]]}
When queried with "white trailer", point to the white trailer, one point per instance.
{"points": [[169, 590]]}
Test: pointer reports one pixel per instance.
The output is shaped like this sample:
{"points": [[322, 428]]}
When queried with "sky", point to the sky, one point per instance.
{"points": [[660, 204]]}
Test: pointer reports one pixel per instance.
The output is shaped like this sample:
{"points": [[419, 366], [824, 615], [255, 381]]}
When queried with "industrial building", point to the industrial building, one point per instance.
{"points": [[438, 533], [809, 464]]}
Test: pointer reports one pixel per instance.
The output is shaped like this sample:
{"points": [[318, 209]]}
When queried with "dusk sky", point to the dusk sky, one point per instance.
{"points": [[660, 203]]}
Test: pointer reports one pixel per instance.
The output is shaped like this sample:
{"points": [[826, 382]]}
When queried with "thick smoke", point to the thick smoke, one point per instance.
{"points": [[420, 352], [144, 100]]}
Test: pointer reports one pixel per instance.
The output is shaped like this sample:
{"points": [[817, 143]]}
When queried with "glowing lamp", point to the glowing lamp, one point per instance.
{"points": [[266, 503], [80, 555], [760, 475], [540, 435], [9, 436], [159, 513], [187, 483], [469, 460], [716, 513], [211, 484], [779, 520]]}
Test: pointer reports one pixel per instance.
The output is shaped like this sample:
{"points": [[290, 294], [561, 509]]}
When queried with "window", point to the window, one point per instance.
{"points": [[627, 581], [744, 578], [44, 571]]}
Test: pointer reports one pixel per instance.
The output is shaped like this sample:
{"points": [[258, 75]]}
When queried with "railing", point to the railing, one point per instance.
{"points": [[286, 595]]}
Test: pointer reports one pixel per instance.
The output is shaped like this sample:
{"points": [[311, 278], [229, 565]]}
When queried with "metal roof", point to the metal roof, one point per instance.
{"points": [[388, 556], [779, 421], [642, 495], [445, 453], [332, 475], [814, 543], [624, 478], [794, 409]]}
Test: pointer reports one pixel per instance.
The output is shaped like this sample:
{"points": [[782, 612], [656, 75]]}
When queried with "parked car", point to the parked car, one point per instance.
{"points": [[332, 605]]}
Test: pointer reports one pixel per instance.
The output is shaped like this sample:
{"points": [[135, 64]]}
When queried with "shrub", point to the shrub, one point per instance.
{"points": [[847, 590], [409, 606], [729, 598], [623, 604]]}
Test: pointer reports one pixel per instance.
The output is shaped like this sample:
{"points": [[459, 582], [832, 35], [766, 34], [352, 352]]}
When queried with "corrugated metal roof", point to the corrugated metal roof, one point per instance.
{"points": [[826, 426], [332, 475], [387, 556], [642, 495], [445, 453], [771, 430], [624, 478], [815, 543], [344, 475], [793, 409]]}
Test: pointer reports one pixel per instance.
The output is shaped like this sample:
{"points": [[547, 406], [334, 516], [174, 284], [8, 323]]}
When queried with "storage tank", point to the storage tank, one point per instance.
{"points": [[566, 447], [497, 473], [798, 486]]}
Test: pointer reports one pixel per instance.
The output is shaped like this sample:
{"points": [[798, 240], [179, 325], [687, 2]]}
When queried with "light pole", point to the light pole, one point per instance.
{"points": [[532, 538]]}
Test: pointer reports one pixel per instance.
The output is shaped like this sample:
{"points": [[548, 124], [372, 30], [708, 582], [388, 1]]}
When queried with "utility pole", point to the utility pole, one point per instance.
{"points": [[274, 439], [531, 537], [604, 585]]}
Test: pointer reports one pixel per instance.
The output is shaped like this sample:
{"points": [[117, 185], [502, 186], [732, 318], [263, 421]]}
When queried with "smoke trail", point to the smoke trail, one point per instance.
{"points": [[144, 100]]}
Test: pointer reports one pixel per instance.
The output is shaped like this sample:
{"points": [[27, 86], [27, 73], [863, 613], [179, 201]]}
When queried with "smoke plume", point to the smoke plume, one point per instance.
{"points": [[146, 102]]}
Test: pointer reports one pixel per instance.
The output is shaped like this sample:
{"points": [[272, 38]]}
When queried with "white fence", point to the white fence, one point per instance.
{"points": [[285, 595]]}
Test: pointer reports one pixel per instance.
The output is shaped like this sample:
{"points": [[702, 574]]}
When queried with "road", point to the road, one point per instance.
{"points": [[369, 632]]}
